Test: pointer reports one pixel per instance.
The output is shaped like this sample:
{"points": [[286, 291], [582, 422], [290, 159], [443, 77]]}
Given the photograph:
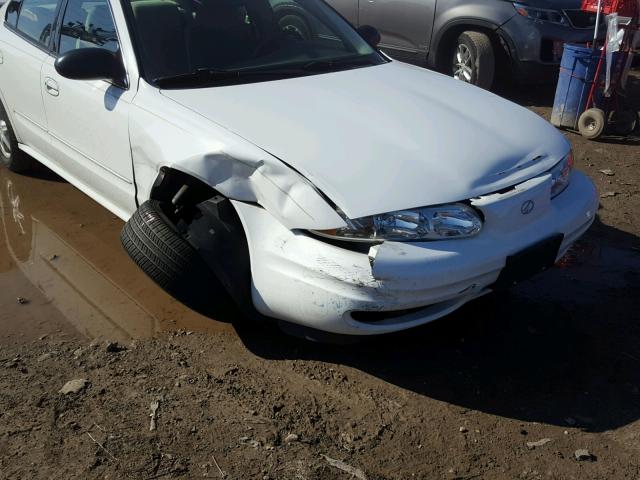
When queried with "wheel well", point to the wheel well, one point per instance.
{"points": [[446, 44], [211, 224], [180, 188]]}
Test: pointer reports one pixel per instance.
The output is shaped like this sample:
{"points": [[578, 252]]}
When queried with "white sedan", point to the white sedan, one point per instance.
{"points": [[268, 148]]}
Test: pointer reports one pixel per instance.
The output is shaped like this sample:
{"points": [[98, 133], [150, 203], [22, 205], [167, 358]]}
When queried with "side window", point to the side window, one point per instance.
{"points": [[88, 24], [12, 13], [36, 18]]}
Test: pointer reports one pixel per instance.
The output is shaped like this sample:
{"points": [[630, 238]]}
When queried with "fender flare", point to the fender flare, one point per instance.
{"points": [[434, 58]]}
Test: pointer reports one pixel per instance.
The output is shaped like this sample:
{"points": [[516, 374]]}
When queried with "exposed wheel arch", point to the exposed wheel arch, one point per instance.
{"points": [[209, 223], [169, 182]]}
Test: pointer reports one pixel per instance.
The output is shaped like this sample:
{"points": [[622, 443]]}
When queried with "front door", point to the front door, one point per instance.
{"points": [[89, 120], [404, 26]]}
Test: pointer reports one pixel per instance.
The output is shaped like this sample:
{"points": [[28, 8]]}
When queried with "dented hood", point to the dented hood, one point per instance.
{"points": [[388, 137]]}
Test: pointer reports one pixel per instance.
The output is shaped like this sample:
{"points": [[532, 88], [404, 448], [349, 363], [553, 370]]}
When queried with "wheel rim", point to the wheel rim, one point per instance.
{"points": [[463, 64], [5, 141], [591, 124]]}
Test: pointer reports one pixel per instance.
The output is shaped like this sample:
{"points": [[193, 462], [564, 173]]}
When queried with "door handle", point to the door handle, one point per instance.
{"points": [[1, 57], [51, 86]]}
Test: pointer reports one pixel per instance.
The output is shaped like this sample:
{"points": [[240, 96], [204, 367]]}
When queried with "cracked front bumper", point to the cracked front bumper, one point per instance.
{"points": [[303, 280]]}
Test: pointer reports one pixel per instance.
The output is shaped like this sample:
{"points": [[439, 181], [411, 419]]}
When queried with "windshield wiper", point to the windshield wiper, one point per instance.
{"points": [[337, 64], [206, 76]]}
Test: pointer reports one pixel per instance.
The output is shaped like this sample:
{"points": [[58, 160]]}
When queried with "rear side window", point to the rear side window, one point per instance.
{"points": [[88, 24], [12, 13], [36, 19]]}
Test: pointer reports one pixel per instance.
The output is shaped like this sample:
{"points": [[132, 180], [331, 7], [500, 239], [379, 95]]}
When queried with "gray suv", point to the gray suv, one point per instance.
{"points": [[474, 40]]}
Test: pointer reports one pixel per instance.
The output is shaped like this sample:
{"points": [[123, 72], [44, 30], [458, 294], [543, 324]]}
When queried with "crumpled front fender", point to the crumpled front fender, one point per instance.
{"points": [[166, 134]]}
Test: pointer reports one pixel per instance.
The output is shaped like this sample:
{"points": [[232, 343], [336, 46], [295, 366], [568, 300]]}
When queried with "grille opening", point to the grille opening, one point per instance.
{"points": [[546, 50], [581, 19], [380, 316]]}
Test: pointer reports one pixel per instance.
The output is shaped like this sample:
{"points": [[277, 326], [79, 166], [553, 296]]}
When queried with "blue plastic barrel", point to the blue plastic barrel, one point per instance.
{"points": [[577, 71]]}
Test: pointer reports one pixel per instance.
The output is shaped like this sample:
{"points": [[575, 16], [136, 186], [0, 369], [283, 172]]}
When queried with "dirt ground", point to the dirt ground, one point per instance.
{"points": [[509, 387]]}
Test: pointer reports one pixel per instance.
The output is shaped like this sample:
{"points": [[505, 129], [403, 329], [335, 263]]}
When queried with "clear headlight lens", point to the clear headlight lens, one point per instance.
{"points": [[542, 14], [455, 220], [560, 175]]}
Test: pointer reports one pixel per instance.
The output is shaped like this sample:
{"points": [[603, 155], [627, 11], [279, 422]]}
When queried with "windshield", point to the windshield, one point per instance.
{"points": [[191, 43]]}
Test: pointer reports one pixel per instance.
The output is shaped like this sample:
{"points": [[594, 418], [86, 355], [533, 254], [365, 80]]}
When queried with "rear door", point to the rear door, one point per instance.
{"points": [[404, 25], [89, 120], [25, 39]]}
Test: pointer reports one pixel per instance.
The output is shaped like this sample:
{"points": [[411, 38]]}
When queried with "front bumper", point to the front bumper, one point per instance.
{"points": [[533, 45], [303, 280]]}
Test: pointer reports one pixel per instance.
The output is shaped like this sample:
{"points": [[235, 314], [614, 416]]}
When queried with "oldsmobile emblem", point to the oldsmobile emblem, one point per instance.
{"points": [[527, 207]]}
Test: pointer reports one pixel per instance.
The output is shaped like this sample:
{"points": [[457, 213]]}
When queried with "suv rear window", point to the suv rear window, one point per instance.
{"points": [[36, 19]]}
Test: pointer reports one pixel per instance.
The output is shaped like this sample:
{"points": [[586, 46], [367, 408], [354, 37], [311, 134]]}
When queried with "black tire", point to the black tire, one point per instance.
{"points": [[592, 123], [10, 155], [474, 60], [169, 259], [623, 122]]}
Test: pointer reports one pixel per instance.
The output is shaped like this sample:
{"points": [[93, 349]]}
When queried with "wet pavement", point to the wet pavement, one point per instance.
{"points": [[63, 271]]}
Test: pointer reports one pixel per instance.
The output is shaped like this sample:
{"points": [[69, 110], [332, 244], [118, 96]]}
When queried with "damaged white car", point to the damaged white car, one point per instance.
{"points": [[268, 144]]}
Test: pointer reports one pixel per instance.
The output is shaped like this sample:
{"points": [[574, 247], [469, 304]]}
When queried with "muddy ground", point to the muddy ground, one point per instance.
{"points": [[508, 387]]}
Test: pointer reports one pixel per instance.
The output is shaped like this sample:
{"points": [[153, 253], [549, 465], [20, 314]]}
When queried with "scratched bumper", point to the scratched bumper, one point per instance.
{"points": [[301, 279]]}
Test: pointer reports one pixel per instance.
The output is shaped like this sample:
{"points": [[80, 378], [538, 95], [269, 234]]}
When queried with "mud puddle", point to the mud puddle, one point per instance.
{"points": [[62, 269]]}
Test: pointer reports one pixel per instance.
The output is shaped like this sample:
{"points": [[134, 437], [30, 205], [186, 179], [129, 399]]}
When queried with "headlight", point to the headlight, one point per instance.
{"points": [[542, 14], [560, 175], [455, 220]]}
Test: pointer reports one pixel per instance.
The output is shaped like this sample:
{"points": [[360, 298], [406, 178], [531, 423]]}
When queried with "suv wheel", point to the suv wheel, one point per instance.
{"points": [[474, 59], [10, 155]]}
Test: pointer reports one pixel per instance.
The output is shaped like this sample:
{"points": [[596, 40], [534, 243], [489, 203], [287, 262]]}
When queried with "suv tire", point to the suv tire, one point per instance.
{"points": [[473, 59]]}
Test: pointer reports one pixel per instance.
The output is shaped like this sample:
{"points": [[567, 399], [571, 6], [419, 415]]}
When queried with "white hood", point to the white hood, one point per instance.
{"points": [[388, 137]]}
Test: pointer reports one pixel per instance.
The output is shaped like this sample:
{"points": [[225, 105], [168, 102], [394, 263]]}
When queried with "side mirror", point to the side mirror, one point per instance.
{"points": [[91, 64], [370, 35]]}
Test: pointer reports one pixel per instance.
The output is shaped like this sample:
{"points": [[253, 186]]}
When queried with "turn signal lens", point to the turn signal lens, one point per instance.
{"points": [[561, 174]]}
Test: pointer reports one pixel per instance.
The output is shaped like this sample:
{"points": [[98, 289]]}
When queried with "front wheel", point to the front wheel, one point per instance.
{"points": [[169, 259], [474, 59]]}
